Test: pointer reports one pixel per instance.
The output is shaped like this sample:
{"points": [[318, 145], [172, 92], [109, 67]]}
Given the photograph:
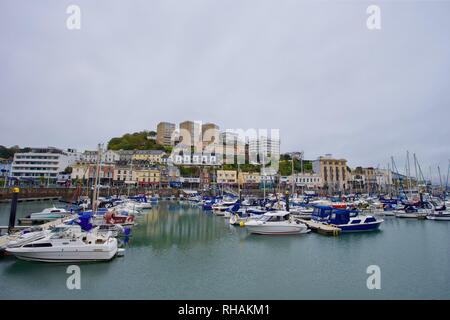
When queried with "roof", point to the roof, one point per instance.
{"points": [[276, 213], [153, 152]]}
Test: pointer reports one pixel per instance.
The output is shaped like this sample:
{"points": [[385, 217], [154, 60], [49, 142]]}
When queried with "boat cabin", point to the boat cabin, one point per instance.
{"points": [[276, 216], [332, 215]]}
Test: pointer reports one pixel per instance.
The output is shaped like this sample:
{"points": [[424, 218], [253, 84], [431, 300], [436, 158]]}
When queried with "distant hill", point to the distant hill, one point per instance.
{"points": [[139, 140]]}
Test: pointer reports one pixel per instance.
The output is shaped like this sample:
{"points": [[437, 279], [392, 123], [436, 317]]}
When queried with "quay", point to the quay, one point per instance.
{"points": [[32, 199], [321, 228]]}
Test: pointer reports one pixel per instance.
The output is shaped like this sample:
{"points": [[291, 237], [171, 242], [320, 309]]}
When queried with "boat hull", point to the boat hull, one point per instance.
{"points": [[372, 226], [68, 254], [292, 228], [439, 217]]}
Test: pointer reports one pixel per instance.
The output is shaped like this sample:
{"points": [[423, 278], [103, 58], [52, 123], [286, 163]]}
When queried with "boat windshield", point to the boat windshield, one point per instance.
{"points": [[58, 229]]}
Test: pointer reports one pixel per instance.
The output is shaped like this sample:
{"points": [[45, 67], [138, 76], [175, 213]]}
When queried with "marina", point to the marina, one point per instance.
{"points": [[177, 250]]}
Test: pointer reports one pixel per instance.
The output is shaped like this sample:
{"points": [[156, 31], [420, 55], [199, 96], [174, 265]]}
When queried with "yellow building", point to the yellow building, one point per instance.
{"points": [[333, 172], [148, 176], [152, 156], [226, 176], [249, 178]]}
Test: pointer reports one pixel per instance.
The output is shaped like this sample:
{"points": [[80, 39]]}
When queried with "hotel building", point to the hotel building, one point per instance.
{"points": [[164, 132]]}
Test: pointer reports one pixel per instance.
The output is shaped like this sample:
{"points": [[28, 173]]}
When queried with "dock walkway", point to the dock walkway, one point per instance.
{"points": [[321, 228]]}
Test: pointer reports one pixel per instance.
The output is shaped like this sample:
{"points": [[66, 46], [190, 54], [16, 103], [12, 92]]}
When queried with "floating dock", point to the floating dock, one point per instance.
{"points": [[32, 199], [321, 228]]}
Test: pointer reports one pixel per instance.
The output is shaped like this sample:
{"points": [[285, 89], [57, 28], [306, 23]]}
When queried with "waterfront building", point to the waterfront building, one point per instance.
{"points": [[384, 179], [194, 159], [226, 176], [125, 156], [371, 179], [164, 132], [311, 181], [262, 149], [87, 171], [152, 156], [147, 176], [124, 175], [169, 173], [249, 178], [333, 172], [210, 135], [80, 171], [191, 134], [41, 163], [107, 156], [230, 146]]}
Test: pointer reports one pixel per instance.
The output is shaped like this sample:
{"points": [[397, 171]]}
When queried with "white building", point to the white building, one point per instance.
{"points": [[42, 163], [108, 156], [308, 180], [263, 148]]}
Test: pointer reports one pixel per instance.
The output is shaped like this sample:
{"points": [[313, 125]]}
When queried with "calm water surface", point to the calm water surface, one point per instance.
{"points": [[180, 252]]}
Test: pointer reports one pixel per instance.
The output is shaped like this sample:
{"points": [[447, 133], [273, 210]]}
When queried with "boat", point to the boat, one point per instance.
{"points": [[49, 214], [68, 244], [414, 211], [276, 223], [112, 217], [25, 237], [346, 220], [439, 215]]}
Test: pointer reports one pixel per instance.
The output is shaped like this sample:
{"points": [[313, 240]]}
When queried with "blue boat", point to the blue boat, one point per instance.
{"points": [[344, 219]]}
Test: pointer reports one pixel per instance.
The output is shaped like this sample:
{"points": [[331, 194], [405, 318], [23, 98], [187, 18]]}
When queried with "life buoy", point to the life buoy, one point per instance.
{"points": [[129, 219]]}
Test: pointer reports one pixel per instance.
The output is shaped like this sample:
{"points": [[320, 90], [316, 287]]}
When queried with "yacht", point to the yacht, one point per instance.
{"points": [[439, 215], [276, 222], [68, 244], [49, 214], [25, 237], [346, 220], [415, 211]]}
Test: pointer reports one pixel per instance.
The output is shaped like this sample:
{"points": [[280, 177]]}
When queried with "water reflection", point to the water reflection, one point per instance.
{"points": [[182, 225]]}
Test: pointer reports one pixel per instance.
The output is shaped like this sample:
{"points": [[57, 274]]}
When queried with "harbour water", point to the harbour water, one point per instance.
{"points": [[177, 251]]}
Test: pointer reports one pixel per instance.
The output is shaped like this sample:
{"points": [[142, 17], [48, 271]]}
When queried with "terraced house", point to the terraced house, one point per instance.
{"points": [[152, 156]]}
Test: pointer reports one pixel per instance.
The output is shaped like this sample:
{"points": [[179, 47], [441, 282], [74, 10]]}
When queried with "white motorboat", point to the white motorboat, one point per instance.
{"points": [[49, 214], [68, 244], [276, 222], [302, 212], [25, 237], [439, 215], [411, 211]]}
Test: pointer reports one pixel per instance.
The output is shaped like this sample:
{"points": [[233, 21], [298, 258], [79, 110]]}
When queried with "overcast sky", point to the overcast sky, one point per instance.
{"points": [[309, 68]]}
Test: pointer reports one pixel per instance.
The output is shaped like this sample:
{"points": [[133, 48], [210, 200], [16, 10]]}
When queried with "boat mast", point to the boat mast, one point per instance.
{"points": [[440, 178], [264, 179], [446, 183], [131, 173], [97, 173], [292, 175], [408, 165]]}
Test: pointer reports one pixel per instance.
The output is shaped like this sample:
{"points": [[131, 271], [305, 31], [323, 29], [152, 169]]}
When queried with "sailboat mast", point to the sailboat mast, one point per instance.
{"points": [[97, 173], [409, 173], [292, 175]]}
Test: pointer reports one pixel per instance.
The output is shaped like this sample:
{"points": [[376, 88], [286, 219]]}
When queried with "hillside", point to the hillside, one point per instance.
{"points": [[137, 140]]}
